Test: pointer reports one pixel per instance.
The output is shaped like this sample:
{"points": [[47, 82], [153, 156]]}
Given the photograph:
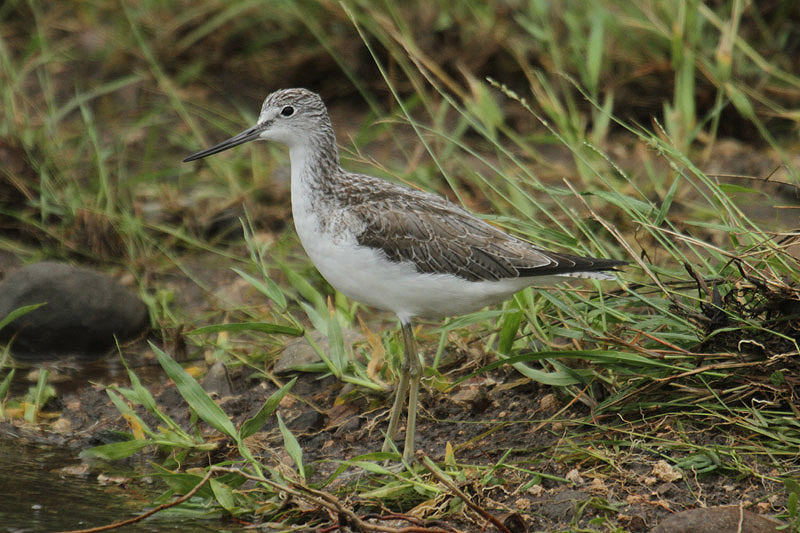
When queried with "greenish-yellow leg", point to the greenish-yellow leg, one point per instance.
{"points": [[410, 374]]}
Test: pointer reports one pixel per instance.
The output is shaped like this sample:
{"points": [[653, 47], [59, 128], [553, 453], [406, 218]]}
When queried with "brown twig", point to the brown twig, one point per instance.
{"points": [[715, 366], [331, 503], [151, 512], [428, 464]]}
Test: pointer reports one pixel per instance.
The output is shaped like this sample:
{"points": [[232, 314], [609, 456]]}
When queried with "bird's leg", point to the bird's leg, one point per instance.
{"points": [[399, 400], [410, 373], [414, 370]]}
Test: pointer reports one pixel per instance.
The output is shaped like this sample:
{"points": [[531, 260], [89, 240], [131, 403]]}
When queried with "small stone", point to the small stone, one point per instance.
{"points": [[536, 490], [549, 403], [62, 425], [574, 476], [308, 422], [216, 381], [632, 523], [103, 479], [474, 396], [664, 472], [522, 504], [79, 470], [598, 486]]}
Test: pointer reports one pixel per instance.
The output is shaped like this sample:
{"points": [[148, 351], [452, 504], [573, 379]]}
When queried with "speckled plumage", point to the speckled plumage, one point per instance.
{"points": [[437, 236], [391, 246]]}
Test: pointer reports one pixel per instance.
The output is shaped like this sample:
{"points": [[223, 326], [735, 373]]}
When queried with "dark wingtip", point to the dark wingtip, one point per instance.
{"points": [[608, 265], [566, 264]]}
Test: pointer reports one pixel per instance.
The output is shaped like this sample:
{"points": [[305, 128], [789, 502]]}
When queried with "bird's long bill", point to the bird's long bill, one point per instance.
{"points": [[250, 134]]}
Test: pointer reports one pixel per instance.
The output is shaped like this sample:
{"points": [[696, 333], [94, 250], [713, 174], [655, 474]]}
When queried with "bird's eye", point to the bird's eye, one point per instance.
{"points": [[287, 111]]}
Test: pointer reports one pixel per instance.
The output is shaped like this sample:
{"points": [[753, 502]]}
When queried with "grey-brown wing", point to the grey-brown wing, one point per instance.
{"points": [[439, 237]]}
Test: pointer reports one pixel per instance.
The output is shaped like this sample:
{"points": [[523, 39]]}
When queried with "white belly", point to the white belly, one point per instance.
{"points": [[365, 275]]}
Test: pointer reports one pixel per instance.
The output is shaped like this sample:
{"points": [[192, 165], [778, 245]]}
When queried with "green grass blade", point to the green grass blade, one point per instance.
{"points": [[139, 393], [195, 396], [41, 393], [129, 414], [267, 287], [4, 386], [554, 379], [252, 425], [594, 50], [508, 333], [261, 327], [316, 317], [292, 447], [306, 290], [224, 495], [336, 344], [16, 313], [330, 365], [667, 203], [115, 450], [597, 356]]}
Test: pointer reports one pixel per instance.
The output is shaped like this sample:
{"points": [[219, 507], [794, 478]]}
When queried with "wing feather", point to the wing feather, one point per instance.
{"points": [[437, 236]]}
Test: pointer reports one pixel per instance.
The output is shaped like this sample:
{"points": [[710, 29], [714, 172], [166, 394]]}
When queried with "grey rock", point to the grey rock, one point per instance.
{"points": [[307, 422], [84, 311], [217, 383], [717, 520], [299, 354]]}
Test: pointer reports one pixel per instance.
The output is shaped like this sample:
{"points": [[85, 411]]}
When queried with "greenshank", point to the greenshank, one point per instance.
{"points": [[392, 247]]}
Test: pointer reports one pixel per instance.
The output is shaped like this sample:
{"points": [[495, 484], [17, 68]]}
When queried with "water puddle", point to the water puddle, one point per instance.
{"points": [[36, 496]]}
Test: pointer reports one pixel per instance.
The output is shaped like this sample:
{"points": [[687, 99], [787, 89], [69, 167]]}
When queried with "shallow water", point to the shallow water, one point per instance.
{"points": [[36, 497]]}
